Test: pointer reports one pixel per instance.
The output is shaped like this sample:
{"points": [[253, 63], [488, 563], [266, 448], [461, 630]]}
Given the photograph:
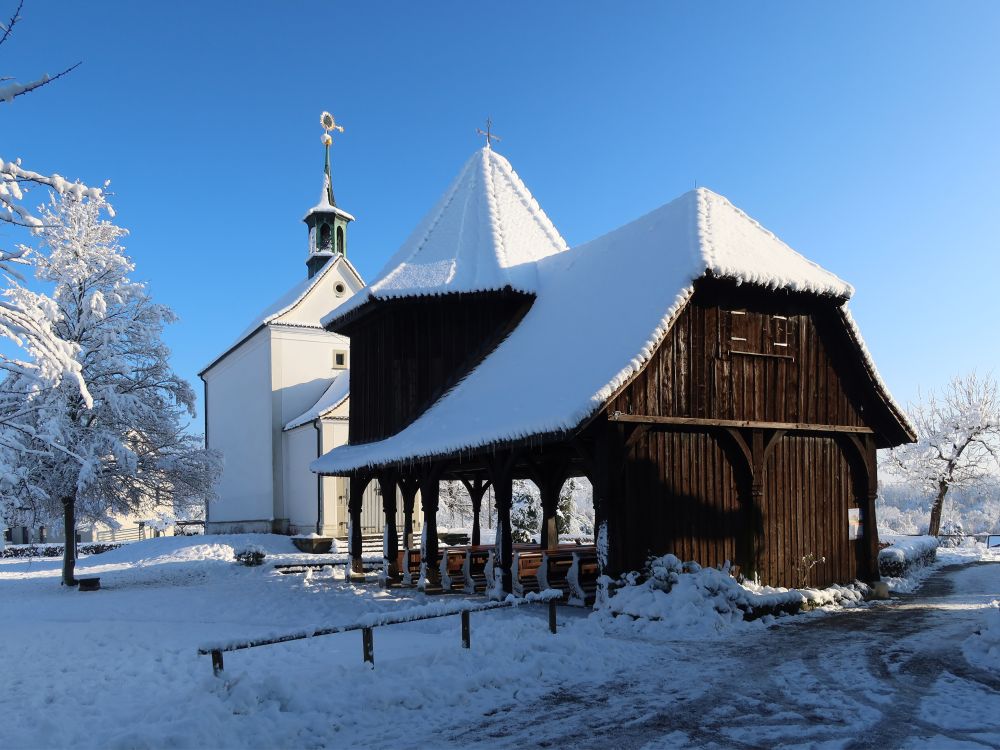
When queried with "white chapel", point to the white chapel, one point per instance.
{"points": [[278, 397]]}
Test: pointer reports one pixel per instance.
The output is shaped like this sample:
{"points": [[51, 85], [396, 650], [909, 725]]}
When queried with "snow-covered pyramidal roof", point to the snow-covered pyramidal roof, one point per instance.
{"points": [[484, 234]]}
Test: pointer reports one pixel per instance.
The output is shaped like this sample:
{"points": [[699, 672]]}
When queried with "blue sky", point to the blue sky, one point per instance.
{"points": [[865, 135]]}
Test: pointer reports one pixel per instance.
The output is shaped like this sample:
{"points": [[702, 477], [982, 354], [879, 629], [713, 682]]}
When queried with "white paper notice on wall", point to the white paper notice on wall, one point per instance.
{"points": [[854, 523]]}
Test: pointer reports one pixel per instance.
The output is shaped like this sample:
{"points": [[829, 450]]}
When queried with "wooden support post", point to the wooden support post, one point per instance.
{"points": [[368, 645], [476, 489], [868, 520], [549, 478], [387, 483], [429, 498], [408, 486], [552, 615], [466, 630], [358, 485], [216, 662], [501, 475], [603, 453]]}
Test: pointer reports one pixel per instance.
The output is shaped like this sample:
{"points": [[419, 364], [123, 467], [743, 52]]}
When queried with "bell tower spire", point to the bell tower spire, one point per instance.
{"points": [[326, 221]]}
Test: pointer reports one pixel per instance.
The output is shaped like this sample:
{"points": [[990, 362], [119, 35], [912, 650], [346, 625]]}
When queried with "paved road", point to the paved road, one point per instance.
{"points": [[888, 676]]}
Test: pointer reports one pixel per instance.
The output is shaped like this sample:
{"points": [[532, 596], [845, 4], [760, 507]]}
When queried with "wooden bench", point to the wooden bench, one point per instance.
{"points": [[526, 566], [408, 564], [477, 561], [452, 568], [571, 569]]}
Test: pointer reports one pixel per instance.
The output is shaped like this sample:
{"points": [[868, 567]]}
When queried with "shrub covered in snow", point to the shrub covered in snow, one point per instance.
{"points": [[952, 533], [250, 555], [905, 553], [690, 597], [982, 648]]}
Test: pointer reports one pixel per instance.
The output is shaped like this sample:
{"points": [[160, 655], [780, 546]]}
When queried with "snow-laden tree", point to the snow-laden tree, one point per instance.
{"points": [[119, 445], [47, 359], [10, 89], [957, 440]]}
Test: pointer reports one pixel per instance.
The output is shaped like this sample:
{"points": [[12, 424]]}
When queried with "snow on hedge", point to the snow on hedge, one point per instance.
{"points": [[982, 649], [704, 601], [906, 552]]}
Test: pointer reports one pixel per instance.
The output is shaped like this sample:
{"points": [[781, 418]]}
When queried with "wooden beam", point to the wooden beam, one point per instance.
{"points": [[735, 424]]}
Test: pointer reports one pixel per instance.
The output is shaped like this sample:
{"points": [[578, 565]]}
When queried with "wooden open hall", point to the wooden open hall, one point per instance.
{"points": [[707, 379]]}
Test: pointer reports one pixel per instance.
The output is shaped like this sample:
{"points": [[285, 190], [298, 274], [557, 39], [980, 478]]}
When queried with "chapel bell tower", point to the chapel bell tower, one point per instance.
{"points": [[327, 223]]}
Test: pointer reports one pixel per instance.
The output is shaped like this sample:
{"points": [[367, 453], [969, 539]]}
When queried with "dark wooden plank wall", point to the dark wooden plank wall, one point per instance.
{"points": [[808, 488], [684, 499], [409, 352], [730, 362], [745, 355]]}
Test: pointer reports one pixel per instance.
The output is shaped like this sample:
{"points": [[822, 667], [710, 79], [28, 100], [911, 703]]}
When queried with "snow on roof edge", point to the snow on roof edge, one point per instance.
{"points": [[265, 318], [792, 271], [333, 396], [876, 376]]}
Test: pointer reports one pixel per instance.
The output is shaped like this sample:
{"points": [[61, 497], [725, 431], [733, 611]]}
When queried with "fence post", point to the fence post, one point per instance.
{"points": [[216, 662], [552, 615], [466, 630], [368, 645]]}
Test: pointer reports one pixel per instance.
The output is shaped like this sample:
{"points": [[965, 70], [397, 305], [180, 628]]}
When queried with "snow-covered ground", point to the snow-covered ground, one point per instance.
{"points": [[118, 668]]}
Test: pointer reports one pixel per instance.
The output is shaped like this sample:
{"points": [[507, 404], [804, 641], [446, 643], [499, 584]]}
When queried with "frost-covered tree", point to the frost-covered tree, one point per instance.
{"points": [[525, 512], [26, 321], [575, 511], [957, 440], [119, 445], [10, 88]]}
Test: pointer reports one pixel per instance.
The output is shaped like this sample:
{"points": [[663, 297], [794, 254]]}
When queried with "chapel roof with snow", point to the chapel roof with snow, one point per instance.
{"points": [[547, 377]]}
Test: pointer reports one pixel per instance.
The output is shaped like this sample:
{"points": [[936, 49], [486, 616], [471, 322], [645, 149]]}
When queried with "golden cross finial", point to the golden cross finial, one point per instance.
{"points": [[490, 136]]}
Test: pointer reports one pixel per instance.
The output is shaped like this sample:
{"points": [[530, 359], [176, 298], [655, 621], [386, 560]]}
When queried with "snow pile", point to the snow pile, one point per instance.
{"points": [[905, 553], [982, 648], [544, 378], [702, 601]]}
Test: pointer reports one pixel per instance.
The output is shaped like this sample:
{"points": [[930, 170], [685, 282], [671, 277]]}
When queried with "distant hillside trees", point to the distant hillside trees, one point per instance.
{"points": [[958, 445]]}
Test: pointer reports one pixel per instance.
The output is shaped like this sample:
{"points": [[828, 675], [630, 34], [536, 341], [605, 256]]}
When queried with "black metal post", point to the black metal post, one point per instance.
{"points": [[466, 630], [368, 645], [552, 615]]}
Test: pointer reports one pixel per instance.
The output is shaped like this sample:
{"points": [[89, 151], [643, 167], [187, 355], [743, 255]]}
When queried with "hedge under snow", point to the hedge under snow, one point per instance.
{"points": [[906, 552], [688, 596]]}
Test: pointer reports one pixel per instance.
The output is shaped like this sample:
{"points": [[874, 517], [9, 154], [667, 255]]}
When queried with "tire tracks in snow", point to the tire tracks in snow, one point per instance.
{"points": [[859, 678]]}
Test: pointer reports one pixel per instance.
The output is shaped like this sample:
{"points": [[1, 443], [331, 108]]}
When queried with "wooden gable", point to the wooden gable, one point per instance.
{"points": [[742, 353]]}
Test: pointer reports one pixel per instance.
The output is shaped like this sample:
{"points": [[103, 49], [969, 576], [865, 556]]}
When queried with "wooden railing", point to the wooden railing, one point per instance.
{"points": [[367, 626]]}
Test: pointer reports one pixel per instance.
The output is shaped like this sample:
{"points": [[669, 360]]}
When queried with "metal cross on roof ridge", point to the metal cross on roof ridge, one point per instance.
{"points": [[490, 136]]}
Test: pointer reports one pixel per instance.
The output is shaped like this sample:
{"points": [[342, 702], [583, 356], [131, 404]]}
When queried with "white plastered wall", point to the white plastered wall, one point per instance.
{"points": [[238, 422]]}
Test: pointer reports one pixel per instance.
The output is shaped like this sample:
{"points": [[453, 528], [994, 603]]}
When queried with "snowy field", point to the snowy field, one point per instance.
{"points": [[118, 668]]}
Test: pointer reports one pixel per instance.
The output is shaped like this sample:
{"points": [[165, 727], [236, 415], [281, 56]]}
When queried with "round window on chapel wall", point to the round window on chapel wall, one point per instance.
{"points": [[339, 288]]}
